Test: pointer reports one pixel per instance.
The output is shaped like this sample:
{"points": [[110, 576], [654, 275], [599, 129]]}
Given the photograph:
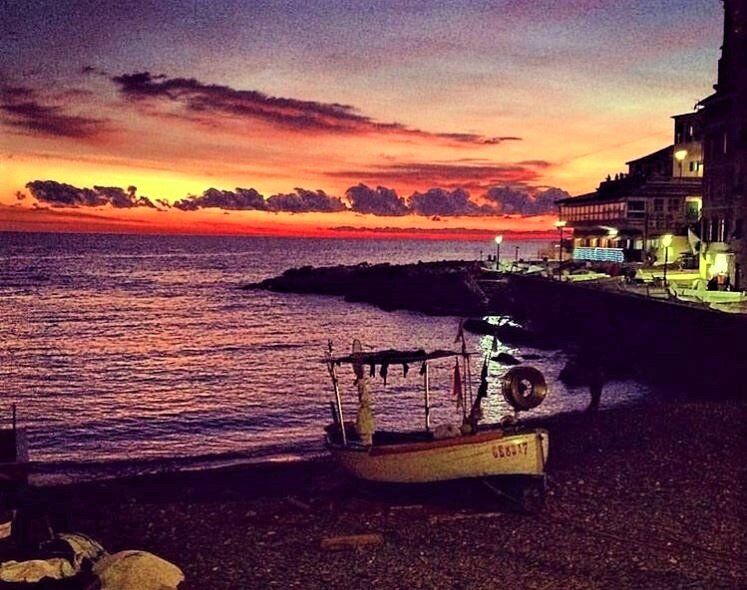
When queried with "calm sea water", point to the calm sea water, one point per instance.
{"points": [[129, 354]]}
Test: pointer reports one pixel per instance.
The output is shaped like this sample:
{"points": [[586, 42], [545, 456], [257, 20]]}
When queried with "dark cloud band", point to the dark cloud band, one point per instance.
{"points": [[212, 103], [58, 194], [29, 111], [380, 201]]}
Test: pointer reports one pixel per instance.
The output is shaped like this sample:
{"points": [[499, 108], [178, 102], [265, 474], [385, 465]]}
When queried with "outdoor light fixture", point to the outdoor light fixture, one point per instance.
{"points": [[498, 241], [720, 264]]}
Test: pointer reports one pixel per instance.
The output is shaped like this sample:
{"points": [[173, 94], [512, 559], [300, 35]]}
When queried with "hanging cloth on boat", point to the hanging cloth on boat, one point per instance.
{"points": [[457, 386], [357, 365], [372, 370], [383, 372], [423, 368], [405, 369], [475, 414], [364, 421]]}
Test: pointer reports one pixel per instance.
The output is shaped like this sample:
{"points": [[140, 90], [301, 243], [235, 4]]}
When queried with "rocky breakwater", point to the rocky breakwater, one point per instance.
{"points": [[435, 288]]}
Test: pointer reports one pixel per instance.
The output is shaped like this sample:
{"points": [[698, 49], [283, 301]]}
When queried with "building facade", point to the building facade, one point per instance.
{"points": [[625, 219], [724, 252], [687, 161]]}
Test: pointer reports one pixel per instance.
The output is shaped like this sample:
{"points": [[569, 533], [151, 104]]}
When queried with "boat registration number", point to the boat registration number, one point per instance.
{"points": [[501, 451]]}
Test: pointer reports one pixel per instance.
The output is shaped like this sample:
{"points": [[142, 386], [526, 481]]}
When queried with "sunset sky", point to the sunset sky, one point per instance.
{"points": [[471, 117]]}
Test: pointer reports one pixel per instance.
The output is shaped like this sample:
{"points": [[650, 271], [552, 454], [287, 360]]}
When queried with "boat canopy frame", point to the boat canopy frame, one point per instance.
{"points": [[387, 357], [393, 357]]}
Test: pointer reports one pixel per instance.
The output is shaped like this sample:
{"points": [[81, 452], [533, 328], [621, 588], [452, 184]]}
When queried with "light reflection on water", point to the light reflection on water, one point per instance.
{"points": [[143, 348]]}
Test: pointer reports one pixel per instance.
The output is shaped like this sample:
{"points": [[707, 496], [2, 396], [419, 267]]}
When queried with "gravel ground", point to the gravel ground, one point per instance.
{"points": [[640, 497]]}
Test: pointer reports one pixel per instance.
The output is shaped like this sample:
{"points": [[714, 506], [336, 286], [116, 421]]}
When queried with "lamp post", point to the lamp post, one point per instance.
{"points": [[680, 156], [498, 240], [666, 241], [560, 224]]}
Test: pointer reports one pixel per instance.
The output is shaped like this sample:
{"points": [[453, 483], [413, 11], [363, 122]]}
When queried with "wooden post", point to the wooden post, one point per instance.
{"points": [[338, 402], [427, 385]]}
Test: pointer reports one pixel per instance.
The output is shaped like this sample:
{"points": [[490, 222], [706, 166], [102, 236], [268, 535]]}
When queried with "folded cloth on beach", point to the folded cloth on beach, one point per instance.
{"points": [[84, 547], [34, 570], [137, 570], [6, 523], [77, 548]]}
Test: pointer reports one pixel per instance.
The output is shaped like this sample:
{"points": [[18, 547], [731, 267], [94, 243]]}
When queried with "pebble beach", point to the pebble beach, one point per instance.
{"points": [[645, 496]]}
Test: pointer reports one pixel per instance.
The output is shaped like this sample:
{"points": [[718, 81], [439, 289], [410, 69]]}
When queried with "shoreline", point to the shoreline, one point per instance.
{"points": [[648, 495]]}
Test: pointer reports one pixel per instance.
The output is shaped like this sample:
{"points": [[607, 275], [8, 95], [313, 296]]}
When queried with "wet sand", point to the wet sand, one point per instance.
{"points": [[650, 496]]}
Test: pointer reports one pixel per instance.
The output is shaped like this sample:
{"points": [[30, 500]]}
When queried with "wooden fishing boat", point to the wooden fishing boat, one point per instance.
{"points": [[442, 453], [413, 458]]}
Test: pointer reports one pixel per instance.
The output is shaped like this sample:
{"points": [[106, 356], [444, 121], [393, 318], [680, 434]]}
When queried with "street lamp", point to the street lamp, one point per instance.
{"points": [[680, 156], [666, 241], [560, 224], [498, 240]]}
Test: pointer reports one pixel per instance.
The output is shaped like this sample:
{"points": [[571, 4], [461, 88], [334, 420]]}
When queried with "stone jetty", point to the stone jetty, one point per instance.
{"points": [[434, 288]]}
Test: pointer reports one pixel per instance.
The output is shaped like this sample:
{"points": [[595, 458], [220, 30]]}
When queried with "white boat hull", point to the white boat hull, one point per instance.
{"points": [[486, 454]]}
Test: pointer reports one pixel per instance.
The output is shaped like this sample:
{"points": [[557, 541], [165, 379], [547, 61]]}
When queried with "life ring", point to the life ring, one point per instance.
{"points": [[524, 388]]}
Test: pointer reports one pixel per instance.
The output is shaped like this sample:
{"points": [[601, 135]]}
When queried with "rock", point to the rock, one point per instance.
{"points": [[508, 333], [351, 541], [506, 359]]}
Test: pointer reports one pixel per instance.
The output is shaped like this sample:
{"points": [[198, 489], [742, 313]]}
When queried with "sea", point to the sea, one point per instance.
{"points": [[132, 354]]}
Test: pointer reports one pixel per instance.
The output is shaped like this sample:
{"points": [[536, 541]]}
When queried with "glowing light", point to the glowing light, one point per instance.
{"points": [[499, 239], [560, 223], [666, 240], [720, 264], [611, 231], [680, 155]]}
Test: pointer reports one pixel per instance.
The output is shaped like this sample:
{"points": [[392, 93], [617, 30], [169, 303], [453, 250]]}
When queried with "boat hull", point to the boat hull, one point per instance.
{"points": [[486, 454]]}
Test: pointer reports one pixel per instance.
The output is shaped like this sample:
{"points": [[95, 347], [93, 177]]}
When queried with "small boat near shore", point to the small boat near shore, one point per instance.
{"points": [[447, 452]]}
